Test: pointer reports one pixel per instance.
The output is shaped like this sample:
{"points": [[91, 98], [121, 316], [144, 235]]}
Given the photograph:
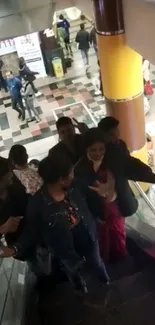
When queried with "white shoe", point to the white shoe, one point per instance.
{"points": [[38, 120], [97, 92], [38, 94]]}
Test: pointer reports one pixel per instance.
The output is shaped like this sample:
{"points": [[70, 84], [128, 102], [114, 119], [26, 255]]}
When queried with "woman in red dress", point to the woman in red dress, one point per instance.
{"points": [[108, 195]]}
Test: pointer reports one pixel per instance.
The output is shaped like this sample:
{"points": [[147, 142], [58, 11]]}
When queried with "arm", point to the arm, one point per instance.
{"points": [[136, 170], [91, 37], [29, 235], [67, 23], [18, 83], [77, 38], [28, 71], [88, 37], [28, 91]]}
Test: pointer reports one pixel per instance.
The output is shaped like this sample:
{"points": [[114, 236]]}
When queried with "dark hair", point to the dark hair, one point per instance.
{"points": [[18, 155], [61, 17], [4, 167], [54, 167], [108, 123], [62, 121], [82, 26], [34, 162], [92, 136]]}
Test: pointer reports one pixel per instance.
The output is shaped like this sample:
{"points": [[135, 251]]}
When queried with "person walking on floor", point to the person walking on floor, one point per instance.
{"points": [[93, 39], [28, 94], [83, 39], [28, 75], [3, 83], [14, 85], [65, 25]]}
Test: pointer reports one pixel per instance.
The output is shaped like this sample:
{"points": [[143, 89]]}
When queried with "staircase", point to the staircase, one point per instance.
{"points": [[75, 26]]}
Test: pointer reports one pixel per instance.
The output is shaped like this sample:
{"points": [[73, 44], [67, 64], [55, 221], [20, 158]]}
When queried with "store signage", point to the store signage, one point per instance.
{"points": [[7, 46], [28, 47]]}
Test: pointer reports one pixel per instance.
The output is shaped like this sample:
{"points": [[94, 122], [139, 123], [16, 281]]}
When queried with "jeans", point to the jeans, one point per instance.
{"points": [[85, 58], [86, 247], [16, 103], [30, 107]]}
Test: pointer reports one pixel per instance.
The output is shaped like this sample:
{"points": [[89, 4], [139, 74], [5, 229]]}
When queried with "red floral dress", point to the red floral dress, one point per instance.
{"points": [[112, 236]]}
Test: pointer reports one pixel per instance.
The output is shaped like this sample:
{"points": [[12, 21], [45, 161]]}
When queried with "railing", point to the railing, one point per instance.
{"points": [[12, 291], [145, 197]]}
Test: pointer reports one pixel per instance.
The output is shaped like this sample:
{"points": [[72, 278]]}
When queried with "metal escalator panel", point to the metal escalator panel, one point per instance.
{"points": [[12, 291], [20, 17], [143, 222]]}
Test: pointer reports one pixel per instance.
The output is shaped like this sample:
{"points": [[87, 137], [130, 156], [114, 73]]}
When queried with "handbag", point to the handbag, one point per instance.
{"points": [[148, 91]]}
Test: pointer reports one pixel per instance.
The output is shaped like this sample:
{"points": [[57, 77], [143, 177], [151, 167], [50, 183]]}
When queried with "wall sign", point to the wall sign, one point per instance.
{"points": [[28, 47], [7, 46]]}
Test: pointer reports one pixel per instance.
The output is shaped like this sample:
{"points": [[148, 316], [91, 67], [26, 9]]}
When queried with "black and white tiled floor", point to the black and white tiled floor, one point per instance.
{"points": [[73, 97]]}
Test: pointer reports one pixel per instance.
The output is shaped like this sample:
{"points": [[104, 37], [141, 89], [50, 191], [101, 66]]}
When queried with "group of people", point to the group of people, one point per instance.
{"points": [[22, 90], [72, 206], [83, 39]]}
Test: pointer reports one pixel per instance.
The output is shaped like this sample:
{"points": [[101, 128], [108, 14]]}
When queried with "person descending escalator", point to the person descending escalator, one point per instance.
{"points": [[59, 217], [28, 177], [13, 203], [109, 197], [70, 142]]}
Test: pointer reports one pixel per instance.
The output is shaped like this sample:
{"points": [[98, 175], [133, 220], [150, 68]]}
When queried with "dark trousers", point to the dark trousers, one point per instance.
{"points": [[88, 249], [17, 105]]}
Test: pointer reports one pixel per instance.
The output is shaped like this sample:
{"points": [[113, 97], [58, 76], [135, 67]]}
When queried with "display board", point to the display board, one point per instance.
{"points": [[28, 47]]}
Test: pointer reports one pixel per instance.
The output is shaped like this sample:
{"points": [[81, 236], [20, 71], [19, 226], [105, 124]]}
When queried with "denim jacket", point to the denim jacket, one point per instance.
{"points": [[47, 224]]}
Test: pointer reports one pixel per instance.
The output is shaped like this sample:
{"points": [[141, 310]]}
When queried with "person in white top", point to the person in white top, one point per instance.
{"points": [[146, 70], [148, 91], [29, 177]]}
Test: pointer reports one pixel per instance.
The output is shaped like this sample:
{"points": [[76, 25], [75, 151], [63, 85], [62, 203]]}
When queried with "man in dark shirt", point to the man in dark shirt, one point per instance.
{"points": [[64, 23], [13, 202], [70, 143], [93, 39], [118, 156], [83, 39]]}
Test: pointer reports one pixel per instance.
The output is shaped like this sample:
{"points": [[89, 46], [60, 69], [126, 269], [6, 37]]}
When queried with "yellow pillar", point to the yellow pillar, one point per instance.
{"points": [[121, 72]]}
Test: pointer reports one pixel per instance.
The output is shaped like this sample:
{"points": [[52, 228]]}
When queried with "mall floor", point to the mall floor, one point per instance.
{"points": [[72, 96]]}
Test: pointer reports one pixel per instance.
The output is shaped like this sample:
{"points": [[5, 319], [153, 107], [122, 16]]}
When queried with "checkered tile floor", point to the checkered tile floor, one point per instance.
{"points": [[71, 97]]}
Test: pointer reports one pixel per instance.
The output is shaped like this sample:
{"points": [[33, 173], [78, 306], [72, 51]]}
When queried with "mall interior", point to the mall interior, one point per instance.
{"points": [[66, 87]]}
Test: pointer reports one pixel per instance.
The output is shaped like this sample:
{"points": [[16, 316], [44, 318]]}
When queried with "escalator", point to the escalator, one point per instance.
{"points": [[129, 299]]}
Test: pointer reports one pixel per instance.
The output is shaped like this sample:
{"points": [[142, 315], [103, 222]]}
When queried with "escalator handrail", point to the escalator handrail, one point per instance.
{"points": [[145, 197]]}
